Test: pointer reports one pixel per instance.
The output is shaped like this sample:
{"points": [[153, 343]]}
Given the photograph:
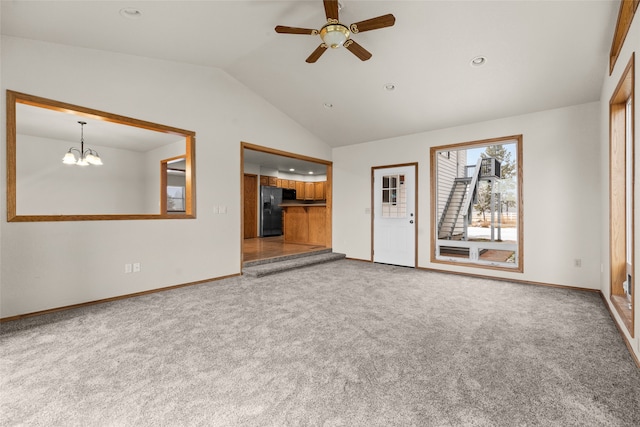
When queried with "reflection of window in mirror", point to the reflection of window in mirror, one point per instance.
{"points": [[41, 132], [173, 185], [476, 196]]}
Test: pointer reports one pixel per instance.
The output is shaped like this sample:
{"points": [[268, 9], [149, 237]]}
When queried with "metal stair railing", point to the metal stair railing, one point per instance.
{"points": [[451, 213], [464, 205]]}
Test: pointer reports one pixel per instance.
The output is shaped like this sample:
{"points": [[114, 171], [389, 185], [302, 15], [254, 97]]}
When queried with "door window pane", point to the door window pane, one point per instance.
{"points": [[394, 196]]}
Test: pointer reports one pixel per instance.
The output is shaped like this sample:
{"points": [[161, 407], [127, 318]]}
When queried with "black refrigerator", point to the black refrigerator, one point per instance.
{"points": [[271, 212]]}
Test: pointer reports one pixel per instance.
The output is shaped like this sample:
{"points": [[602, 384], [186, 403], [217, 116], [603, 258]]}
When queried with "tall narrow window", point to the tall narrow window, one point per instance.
{"points": [[621, 199], [476, 196]]}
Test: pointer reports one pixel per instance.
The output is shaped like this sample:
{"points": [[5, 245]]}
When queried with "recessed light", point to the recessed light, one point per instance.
{"points": [[328, 105], [292, 170], [131, 13], [390, 87], [478, 61], [310, 172]]}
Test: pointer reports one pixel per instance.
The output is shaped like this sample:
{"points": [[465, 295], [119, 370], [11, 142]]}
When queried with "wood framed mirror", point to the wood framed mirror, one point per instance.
{"points": [[129, 184]]}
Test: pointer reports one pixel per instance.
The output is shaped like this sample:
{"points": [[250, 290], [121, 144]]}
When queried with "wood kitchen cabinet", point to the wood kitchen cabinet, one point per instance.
{"points": [[299, 190], [319, 189], [309, 191], [268, 180]]}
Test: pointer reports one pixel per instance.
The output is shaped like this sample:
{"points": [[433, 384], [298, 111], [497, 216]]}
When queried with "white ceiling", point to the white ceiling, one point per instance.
{"points": [[64, 126], [540, 55], [284, 164]]}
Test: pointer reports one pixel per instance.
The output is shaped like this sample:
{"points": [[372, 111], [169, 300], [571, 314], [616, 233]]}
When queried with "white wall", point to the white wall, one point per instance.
{"points": [[46, 186], [53, 264], [152, 160], [561, 191], [631, 44]]}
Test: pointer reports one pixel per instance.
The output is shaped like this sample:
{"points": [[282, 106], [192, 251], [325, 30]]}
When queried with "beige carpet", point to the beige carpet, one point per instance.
{"points": [[340, 344]]}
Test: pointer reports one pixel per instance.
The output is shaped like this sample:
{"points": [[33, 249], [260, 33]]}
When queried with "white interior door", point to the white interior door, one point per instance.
{"points": [[394, 219]]}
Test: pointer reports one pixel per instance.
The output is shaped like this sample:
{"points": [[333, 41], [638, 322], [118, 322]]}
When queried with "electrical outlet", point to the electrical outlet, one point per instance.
{"points": [[223, 209], [136, 267], [127, 268], [577, 262]]}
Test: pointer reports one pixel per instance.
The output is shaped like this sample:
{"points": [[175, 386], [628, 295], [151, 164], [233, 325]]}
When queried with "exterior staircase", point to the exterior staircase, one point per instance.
{"points": [[451, 226]]}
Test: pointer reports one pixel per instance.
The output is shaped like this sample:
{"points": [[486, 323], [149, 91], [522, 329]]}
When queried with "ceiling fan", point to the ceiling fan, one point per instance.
{"points": [[335, 34]]}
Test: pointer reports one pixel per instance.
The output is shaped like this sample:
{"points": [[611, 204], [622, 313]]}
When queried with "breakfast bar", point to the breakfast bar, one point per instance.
{"points": [[304, 223]]}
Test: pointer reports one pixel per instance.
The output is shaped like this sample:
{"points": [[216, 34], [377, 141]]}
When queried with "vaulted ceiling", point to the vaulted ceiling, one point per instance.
{"points": [[539, 55]]}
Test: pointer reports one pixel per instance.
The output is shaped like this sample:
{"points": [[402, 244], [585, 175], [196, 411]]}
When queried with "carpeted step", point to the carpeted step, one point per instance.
{"points": [[286, 257], [289, 263]]}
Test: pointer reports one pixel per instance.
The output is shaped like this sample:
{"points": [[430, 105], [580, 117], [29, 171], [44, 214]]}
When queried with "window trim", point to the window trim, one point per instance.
{"points": [[433, 215], [618, 128]]}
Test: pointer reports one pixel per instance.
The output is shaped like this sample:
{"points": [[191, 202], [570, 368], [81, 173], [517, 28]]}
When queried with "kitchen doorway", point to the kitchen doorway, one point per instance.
{"points": [[306, 220]]}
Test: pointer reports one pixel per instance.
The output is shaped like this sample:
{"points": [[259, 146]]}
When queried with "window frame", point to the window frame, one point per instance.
{"points": [[622, 234], [434, 151]]}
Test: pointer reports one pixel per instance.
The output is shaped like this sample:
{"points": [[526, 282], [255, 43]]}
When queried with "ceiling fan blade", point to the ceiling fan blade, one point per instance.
{"points": [[373, 23], [357, 50], [317, 53], [331, 9], [295, 30]]}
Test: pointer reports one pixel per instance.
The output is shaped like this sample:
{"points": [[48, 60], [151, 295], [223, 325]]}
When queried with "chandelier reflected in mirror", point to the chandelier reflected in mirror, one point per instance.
{"points": [[84, 157]]}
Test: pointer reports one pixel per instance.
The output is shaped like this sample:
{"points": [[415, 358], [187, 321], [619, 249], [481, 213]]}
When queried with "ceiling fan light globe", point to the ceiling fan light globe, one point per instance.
{"points": [[334, 35]]}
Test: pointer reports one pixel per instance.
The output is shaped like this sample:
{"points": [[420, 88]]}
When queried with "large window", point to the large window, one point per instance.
{"points": [[476, 196], [621, 199]]}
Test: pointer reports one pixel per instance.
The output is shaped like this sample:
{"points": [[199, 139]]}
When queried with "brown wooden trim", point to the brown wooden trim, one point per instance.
{"points": [[624, 337], [625, 18], [505, 279], [14, 97], [242, 204], [475, 143], [625, 87], [328, 190], [163, 183], [56, 218], [480, 143], [65, 107], [163, 186], [118, 298], [625, 91], [11, 156], [249, 146], [190, 177], [415, 208], [328, 185]]}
